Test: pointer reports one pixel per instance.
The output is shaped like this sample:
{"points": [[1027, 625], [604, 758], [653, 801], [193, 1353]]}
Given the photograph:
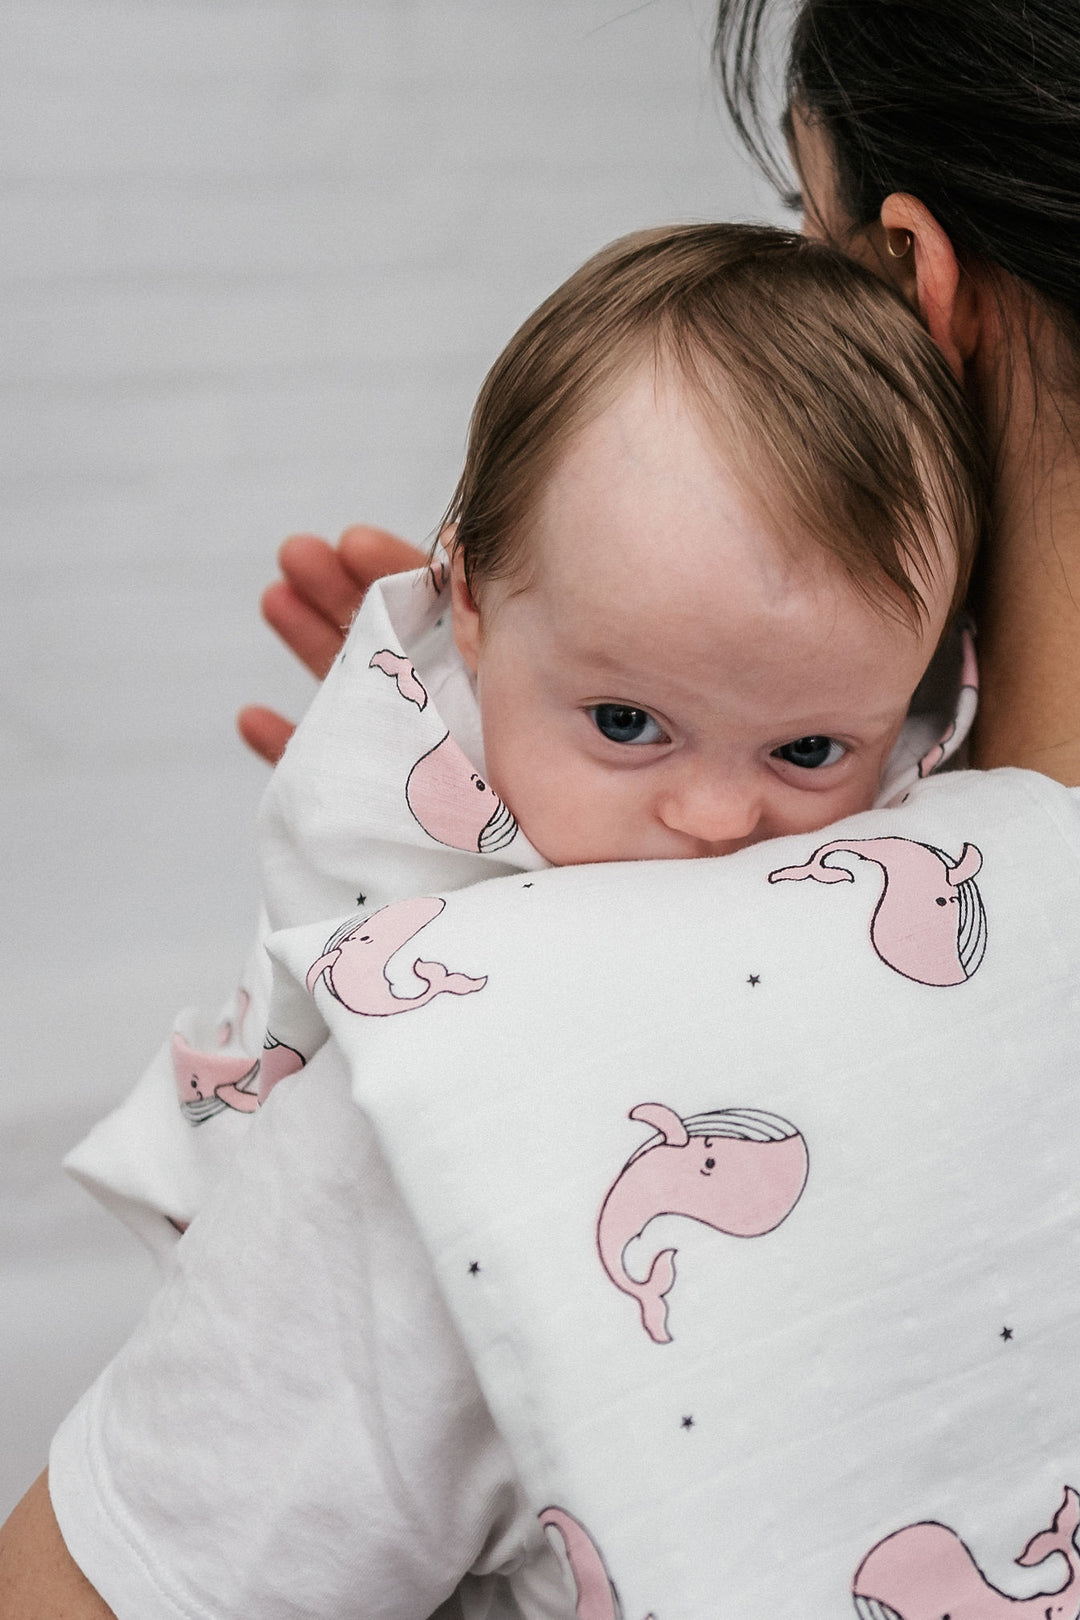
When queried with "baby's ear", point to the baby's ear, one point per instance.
{"points": [[463, 608]]}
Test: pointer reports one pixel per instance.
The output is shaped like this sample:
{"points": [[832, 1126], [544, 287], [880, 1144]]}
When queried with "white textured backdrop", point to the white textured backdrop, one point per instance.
{"points": [[256, 257]]}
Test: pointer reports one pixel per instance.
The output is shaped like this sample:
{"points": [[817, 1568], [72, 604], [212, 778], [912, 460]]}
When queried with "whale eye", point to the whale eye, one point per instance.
{"points": [[365, 939], [710, 1164], [941, 901], [481, 785]]}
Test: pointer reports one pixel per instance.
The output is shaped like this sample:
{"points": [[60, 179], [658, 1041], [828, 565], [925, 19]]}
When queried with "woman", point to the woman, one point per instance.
{"points": [[936, 139], [940, 144]]}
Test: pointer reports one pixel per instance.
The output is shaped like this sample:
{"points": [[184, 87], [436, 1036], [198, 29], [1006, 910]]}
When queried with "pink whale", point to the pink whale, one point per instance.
{"points": [[929, 923], [209, 1082], [354, 962], [277, 1061], [739, 1171], [925, 1572], [450, 800], [402, 671], [597, 1598], [454, 804]]}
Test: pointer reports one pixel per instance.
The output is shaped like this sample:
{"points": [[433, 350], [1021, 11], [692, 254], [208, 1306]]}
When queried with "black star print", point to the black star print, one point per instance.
{"points": [[1006, 1334], [526, 885], [688, 1422], [361, 899], [755, 978], [474, 1267]]}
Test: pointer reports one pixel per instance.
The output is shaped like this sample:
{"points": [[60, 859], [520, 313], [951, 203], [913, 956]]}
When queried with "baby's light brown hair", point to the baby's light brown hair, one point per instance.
{"points": [[829, 403]]}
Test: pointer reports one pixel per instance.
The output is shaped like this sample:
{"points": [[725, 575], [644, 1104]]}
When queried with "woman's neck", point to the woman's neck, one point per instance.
{"points": [[1027, 591]]}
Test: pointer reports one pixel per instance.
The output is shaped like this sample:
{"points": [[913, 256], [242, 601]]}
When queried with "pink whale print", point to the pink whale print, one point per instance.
{"points": [[401, 670], [929, 923], [209, 1082], [449, 800], [353, 965], [925, 1572], [966, 704], [277, 1061], [739, 1170], [454, 804], [597, 1598]]}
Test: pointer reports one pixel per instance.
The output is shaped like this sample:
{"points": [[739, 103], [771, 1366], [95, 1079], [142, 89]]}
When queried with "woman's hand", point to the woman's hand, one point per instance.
{"points": [[312, 605]]}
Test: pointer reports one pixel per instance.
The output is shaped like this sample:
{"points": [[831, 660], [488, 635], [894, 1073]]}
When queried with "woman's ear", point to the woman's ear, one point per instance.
{"points": [[920, 261], [465, 614]]}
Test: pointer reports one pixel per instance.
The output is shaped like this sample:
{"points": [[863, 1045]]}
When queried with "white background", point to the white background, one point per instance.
{"points": [[256, 257]]}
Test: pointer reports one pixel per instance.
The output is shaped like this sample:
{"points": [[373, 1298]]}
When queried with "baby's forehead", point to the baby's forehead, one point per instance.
{"points": [[656, 492]]}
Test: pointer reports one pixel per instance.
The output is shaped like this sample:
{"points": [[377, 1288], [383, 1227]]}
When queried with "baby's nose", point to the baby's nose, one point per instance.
{"points": [[721, 813]]}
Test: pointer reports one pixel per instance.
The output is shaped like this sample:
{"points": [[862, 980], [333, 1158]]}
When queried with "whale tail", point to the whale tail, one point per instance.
{"points": [[652, 1294], [401, 670], [1058, 1539], [439, 980], [816, 868]]}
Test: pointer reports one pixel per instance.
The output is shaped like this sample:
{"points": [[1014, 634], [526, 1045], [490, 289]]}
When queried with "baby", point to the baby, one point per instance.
{"points": [[719, 506], [718, 512]]}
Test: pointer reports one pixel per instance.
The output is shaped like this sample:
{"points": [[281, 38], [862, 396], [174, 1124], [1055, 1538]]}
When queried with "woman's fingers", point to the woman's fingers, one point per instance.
{"points": [[315, 571], [314, 635], [312, 605], [369, 553], [264, 731]]}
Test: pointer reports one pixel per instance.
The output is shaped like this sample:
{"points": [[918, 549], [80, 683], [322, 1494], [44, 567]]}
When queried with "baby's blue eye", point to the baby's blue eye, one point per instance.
{"points": [[623, 725], [810, 753]]}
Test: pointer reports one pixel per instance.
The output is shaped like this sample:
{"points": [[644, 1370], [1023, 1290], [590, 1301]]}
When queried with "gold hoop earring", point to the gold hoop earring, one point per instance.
{"points": [[898, 243]]}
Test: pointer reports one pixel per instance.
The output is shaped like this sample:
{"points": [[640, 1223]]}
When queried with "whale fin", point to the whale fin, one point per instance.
{"points": [[651, 1296], [662, 1119], [968, 866], [317, 969], [596, 1599], [438, 979], [238, 1097]]}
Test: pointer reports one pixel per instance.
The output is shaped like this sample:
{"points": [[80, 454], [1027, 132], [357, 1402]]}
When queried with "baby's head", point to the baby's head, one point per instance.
{"points": [[721, 500]]}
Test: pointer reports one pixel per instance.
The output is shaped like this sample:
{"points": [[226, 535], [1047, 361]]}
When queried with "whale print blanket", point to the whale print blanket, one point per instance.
{"points": [[698, 1240], [380, 797]]}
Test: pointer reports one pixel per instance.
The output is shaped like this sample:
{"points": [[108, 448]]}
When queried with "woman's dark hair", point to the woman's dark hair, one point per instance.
{"points": [[973, 106]]}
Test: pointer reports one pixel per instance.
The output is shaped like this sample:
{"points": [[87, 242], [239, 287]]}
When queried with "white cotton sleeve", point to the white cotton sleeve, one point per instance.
{"points": [[295, 1428]]}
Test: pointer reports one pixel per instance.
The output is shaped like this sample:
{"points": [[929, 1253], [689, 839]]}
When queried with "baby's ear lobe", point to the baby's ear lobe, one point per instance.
{"points": [[463, 610]]}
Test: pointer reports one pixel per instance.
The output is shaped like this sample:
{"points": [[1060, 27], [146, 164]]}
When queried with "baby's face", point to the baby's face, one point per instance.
{"points": [[663, 680]]}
